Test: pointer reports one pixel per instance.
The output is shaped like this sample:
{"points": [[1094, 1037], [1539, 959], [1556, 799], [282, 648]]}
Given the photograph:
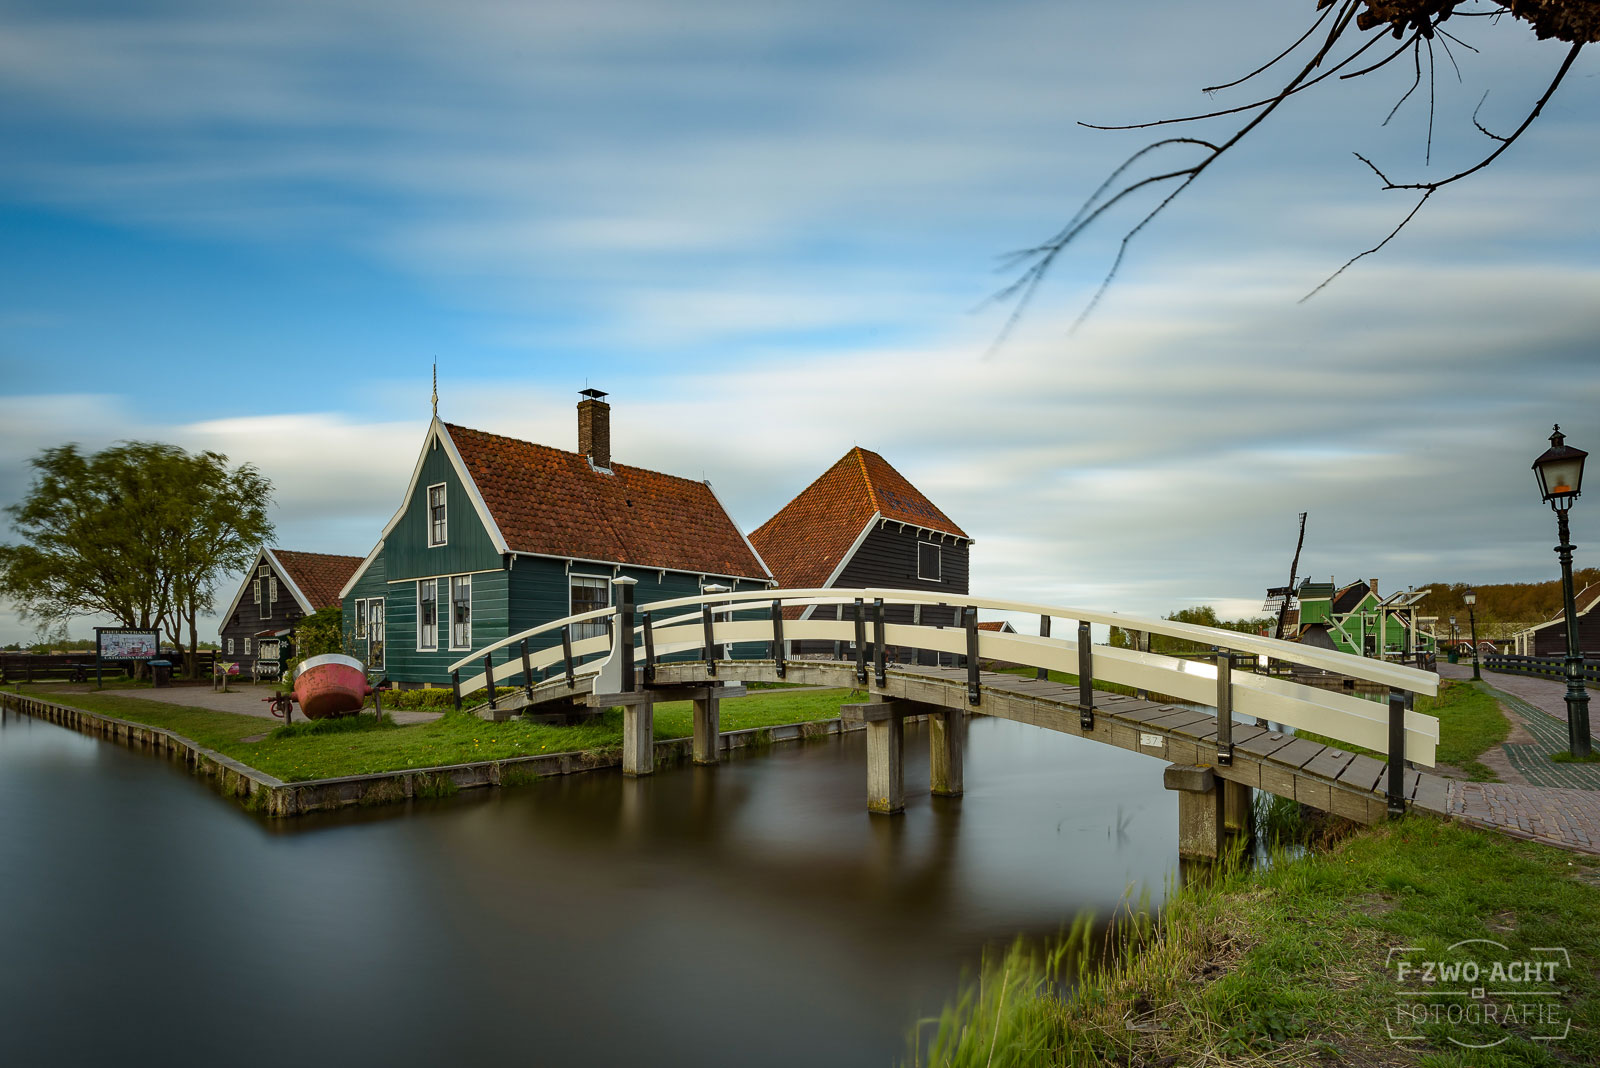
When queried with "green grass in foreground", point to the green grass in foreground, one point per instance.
{"points": [[1286, 965], [1470, 723], [1566, 757], [363, 745]]}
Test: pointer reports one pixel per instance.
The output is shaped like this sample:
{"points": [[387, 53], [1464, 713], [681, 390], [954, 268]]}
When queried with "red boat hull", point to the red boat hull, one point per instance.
{"points": [[331, 685]]}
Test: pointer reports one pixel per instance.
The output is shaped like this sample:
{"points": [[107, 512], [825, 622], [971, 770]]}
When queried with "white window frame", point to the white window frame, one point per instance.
{"points": [[444, 507], [377, 633], [361, 618], [247, 645], [467, 580], [255, 585], [594, 628], [262, 647], [230, 646], [421, 648], [938, 556]]}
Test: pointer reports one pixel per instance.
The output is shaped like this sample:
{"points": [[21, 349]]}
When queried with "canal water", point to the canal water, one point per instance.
{"points": [[751, 914]]}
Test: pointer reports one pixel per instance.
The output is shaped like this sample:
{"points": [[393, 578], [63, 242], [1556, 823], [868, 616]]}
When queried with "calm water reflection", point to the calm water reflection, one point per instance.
{"points": [[749, 914]]}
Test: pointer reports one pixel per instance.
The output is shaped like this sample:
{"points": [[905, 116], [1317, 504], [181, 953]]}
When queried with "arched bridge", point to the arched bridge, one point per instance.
{"points": [[1218, 718]]}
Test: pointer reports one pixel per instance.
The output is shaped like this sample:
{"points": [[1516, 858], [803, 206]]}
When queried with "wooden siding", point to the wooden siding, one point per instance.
{"points": [[371, 584], [406, 663], [468, 545], [247, 620], [1552, 640], [887, 557]]}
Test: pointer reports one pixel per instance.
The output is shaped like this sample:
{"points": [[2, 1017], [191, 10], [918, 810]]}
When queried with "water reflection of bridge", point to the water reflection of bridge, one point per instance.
{"points": [[701, 648]]}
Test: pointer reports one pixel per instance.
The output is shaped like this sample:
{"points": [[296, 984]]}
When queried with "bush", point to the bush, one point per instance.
{"points": [[437, 700], [320, 632]]}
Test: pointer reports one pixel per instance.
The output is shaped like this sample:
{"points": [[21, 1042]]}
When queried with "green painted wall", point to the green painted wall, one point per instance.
{"points": [[468, 547], [409, 664]]}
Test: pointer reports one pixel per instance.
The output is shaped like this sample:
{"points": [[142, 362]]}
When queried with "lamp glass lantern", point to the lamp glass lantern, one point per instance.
{"points": [[1560, 471], [1469, 598]]}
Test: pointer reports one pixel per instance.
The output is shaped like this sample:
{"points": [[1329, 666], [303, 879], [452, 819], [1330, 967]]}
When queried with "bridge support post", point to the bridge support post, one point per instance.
{"points": [[707, 728], [886, 773], [947, 739], [638, 737], [1202, 812], [1239, 813]]}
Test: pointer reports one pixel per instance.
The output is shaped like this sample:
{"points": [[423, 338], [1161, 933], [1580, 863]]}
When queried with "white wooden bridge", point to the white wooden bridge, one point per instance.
{"points": [[680, 649]]}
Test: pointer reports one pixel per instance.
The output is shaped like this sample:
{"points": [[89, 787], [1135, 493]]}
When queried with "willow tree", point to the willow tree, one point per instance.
{"points": [[1347, 39], [141, 532]]}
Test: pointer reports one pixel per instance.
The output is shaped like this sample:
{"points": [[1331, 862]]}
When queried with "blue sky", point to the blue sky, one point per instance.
{"points": [[768, 231]]}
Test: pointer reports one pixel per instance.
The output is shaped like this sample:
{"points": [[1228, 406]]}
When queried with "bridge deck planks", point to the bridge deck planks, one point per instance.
{"points": [[1323, 776]]}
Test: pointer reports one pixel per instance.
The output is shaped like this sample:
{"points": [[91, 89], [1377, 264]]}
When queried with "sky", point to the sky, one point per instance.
{"points": [[770, 231]]}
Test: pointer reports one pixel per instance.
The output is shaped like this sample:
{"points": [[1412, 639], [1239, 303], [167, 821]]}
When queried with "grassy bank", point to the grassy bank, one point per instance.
{"points": [[360, 746], [1287, 965], [1470, 724]]}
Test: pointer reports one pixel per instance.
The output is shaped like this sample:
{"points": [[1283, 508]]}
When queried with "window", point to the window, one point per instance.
{"points": [[267, 649], [361, 619], [272, 589], [461, 612], [438, 521], [230, 646], [247, 647], [929, 565], [428, 614], [256, 587], [375, 635], [587, 594], [262, 571]]}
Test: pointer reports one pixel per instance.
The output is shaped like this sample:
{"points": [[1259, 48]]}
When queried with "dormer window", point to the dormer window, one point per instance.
{"points": [[929, 565], [438, 519]]}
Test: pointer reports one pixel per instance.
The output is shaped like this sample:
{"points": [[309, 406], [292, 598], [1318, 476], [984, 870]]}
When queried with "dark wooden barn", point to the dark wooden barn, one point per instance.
{"points": [[862, 523], [281, 588]]}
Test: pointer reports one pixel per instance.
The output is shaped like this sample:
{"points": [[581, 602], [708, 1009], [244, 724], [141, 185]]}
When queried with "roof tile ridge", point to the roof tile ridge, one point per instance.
{"points": [[866, 477]]}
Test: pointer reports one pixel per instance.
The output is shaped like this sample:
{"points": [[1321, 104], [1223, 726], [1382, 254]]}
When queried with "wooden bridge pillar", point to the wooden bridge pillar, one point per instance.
{"points": [[1202, 812], [886, 773], [638, 736], [707, 728], [947, 739], [1239, 814]]}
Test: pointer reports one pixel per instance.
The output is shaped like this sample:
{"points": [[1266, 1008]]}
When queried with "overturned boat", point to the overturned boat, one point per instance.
{"points": [[331, 685]]}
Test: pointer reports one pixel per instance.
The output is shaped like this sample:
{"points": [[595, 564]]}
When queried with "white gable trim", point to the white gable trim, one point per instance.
{"points": [[764, 568], [844, 560], [249, 574], [436, 431], [362, 570], [277, 566]]}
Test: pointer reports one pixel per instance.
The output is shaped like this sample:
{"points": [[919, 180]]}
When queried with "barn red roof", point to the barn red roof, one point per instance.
{"points": [[320, 576], [552, 502], [810, 535]]}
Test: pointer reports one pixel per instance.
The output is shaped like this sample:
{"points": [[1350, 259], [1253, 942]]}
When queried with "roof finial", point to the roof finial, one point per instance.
{"points": [[436, 388]]}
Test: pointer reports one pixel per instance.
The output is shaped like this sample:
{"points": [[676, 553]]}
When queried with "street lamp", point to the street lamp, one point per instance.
{"points": [[1560, 472], [1471, 598], [1455, 637]]}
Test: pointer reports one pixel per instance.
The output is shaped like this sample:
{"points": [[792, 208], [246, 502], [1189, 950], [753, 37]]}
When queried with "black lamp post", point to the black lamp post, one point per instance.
{"points": [[1455, 637], [1560, 472], [1470, 598]]}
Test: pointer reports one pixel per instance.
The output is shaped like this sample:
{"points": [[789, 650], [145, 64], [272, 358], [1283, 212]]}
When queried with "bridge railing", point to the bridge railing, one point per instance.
{"points": [[719, 621], [1549, 667]]}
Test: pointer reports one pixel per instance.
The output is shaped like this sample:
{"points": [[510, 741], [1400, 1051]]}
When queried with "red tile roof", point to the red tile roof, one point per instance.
{"points": [[810, 535], [997, 624], [553, 502], [320, 576]]}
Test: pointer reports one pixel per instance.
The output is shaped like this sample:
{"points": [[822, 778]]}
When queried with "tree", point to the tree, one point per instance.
{"points": [[140, 532], [1416, 24]]}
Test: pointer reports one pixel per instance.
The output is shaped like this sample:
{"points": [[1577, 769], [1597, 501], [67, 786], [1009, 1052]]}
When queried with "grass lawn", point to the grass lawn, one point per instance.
{"points": [[1470, 723], [1287, 965], [1070, 680], [358, 746]]}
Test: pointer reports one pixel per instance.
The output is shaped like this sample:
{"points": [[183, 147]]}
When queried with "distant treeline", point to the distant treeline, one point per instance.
{"points": [[1502, 608]]}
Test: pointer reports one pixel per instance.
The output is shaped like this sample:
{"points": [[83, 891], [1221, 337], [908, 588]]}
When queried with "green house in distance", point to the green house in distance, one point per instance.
{"points": [[1354, 619], [495, 535]]}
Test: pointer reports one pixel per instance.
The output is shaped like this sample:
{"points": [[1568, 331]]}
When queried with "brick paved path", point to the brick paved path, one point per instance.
{"points": [[1560, 803], [1567, 818], [1535, 704]]}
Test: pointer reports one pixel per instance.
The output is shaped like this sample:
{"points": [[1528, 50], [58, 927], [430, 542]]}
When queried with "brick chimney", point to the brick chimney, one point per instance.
{"points": [[594, 428], [1372, 584]]}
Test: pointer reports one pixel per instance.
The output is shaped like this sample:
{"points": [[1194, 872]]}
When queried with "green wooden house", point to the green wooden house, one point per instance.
{"points": [[495, 535], [1354, 619]]}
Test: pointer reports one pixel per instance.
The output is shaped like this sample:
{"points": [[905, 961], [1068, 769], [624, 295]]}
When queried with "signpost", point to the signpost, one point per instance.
{"points": [[123, 643]]}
